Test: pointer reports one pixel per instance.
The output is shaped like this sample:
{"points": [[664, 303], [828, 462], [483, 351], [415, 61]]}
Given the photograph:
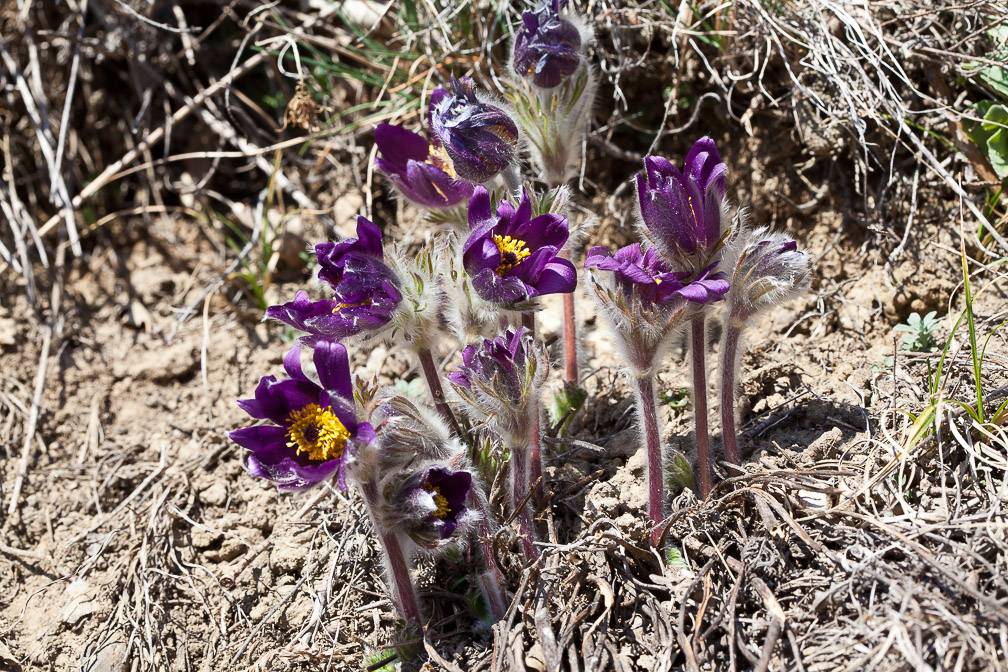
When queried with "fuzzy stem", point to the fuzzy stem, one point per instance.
{"points": [[535, 443], [491, 581], [652, 440], [569, 333], [437, 392], [512, 180], [698, 350], [729, 359], [519, 491], [403, 592]]}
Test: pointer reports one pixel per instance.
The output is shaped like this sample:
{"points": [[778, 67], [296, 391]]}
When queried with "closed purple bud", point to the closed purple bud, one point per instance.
{"points": [[512, 256], [315, 432], [480, 138], [683, 212], [547, 48], [365, 290], [769, 270]]}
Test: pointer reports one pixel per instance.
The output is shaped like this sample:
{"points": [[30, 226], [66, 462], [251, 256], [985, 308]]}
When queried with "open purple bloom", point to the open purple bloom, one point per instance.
{"points": [[432, 503], [683, 211], [421, 171], [547, 49], [365, 290], [512, 256], [480, 138], [315, 430], [650, 276]]}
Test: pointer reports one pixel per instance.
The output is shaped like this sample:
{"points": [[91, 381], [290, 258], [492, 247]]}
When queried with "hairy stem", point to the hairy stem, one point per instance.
{"points": [[729, 358], [535, 443], [519, 492], [492, 580], [698, 352], [403, 592], [569, 333], [656, 465], [437, 392]]}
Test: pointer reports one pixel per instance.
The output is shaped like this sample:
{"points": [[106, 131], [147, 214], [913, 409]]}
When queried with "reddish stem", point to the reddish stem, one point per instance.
{"points": [[698, 350], [652, 440], [403, 592], [729, 355], [492, 581], [535, 456], [569, 333], [519, 491], [437, 392]]}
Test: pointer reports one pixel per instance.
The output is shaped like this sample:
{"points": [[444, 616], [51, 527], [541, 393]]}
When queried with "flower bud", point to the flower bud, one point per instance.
{"points": [[547, 48], [480, 138]]}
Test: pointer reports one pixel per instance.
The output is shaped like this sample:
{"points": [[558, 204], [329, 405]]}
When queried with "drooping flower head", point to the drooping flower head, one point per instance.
{"points": [[685, 213], [500, 380], [547, 48], [431, 505], [769, 270], [315, 432], [422, 171], [644, 299], [480, 138], [365, 290], [511, 256]]}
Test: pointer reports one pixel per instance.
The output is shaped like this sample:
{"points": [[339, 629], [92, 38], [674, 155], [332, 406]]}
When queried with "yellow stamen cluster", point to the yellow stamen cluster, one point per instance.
{"points": [[512, 251], [317, 432], [438, 157], [439, 500]]}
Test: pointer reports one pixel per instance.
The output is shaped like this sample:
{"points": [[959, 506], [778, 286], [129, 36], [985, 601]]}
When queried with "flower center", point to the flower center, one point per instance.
{"points": [[512, 251], [439, 500], [317, 432], [438, 157]]}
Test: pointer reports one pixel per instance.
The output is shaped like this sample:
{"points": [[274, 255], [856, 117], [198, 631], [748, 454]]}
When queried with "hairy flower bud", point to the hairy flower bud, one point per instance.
{"points": [[480, 138], [429, 506], [547, 48], [768, 270]]}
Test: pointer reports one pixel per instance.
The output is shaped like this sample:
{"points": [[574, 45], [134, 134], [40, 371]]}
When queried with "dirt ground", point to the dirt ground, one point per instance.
{"points": [[138, 541]]}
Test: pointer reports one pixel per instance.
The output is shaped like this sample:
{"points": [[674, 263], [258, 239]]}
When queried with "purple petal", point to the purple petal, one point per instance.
{"points": [[333, 368]]}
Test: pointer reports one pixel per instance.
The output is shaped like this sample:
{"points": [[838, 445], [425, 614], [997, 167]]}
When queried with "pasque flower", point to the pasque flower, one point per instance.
{"points": [[500, 380], [315, 431], [365, 290], [547, 48], [422, 171], [684, 213], [512, 256], [431, 505], [768, 270], [480, 138], [650, 277]]}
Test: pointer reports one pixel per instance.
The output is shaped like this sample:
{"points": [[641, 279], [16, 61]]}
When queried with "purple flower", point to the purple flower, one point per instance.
{"points": [[365, 290], [480, 138], [683, 212], [768, 270], [421, 171], [511, 256], [432, 504], [500, 380], [650, 276], [547, 49], [315, 430]]}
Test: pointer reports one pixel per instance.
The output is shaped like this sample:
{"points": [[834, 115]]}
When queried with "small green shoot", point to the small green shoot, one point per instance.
{"points": [[920, 333], [677, 399]]}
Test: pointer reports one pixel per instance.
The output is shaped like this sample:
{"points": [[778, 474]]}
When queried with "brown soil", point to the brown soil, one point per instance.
{"points": [[138, 541]]}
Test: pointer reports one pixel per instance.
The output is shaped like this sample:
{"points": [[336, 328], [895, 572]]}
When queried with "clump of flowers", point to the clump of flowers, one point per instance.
{"points": [[768, 270], [645, 301]]}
